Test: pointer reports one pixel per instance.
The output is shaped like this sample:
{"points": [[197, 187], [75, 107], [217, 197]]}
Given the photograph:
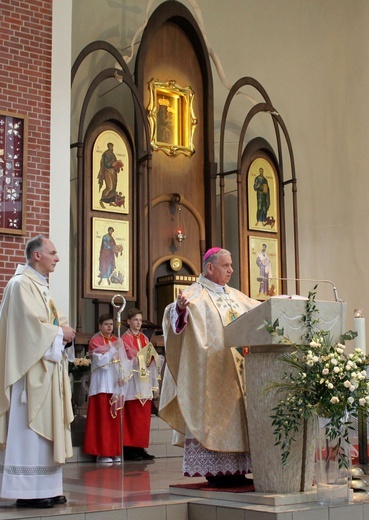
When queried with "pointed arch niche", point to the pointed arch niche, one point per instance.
{"points": [[267, 222], [173, 57], [118, 118]]}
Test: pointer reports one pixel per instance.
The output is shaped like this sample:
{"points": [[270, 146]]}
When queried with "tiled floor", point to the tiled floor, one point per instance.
{"points": [[140, 491], [90, 487]]}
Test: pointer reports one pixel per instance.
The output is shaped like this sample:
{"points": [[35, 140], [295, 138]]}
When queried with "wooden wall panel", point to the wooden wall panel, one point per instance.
{"points": [[172, 48]]}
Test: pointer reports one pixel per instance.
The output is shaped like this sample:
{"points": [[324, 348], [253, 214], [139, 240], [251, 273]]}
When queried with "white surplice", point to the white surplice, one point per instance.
{"points": [[27, 467]]}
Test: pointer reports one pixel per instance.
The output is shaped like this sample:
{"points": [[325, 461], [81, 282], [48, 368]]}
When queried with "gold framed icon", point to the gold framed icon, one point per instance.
{"points": [[110, 173], [171, 117]]}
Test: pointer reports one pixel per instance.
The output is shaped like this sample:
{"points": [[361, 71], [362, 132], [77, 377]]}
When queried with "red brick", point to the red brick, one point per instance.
{"points": [[25, 87]]}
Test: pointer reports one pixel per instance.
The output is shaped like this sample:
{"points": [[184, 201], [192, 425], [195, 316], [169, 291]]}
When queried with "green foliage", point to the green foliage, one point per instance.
{"points": [[274, 329], [322, 380]]}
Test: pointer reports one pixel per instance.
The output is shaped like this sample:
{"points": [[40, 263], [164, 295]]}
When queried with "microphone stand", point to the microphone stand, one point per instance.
{"points": [[264, 278]]}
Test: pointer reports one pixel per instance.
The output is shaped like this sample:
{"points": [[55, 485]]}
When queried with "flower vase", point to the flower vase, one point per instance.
{"points": [[333, 480]]}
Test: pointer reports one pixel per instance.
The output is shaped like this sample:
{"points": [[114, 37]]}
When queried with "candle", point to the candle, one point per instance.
{"points": [[359, 327]]}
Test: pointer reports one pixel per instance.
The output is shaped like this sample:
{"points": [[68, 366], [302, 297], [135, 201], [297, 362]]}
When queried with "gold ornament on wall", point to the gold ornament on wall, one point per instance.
{"points": [[171, 118], [176, 263]]}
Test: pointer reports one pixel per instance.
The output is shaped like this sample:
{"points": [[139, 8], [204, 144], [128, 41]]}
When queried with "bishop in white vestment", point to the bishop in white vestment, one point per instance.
{"points": [[202, 397]]}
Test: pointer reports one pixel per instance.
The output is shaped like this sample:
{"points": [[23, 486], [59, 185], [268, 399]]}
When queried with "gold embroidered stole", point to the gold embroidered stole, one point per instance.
{"points": [[144, 357], [52, 310], [228, 312]]}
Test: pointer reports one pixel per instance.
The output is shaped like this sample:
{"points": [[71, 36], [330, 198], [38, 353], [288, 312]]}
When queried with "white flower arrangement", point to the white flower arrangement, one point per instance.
{"points": [[324, 381]]}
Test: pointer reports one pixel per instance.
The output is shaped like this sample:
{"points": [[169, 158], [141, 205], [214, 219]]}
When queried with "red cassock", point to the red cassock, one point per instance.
{"points": [[136, 417], [103, 432]]}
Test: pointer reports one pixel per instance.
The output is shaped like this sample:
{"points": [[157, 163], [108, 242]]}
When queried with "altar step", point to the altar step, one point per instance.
{"points": [[140, 491], [181, 505], [187, 509]]}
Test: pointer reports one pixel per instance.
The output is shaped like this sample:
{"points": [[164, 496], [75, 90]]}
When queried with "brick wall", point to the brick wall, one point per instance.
{"points": [[25, 88]]}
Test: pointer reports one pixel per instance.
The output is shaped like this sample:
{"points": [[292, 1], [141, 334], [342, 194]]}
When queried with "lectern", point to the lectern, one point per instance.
{"points": [[262, 367]]}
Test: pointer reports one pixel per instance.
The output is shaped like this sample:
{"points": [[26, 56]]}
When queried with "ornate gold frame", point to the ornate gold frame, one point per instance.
{"points": [[171, 118]]}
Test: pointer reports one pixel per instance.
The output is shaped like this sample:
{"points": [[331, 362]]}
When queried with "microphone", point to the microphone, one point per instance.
{"points": [[264, 278]]}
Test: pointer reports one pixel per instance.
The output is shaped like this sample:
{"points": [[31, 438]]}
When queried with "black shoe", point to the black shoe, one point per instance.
{"points": [[60, 499], [132, 454], [35, 502], [228, 481], [147, 456], [215, 481], [133, 457]]}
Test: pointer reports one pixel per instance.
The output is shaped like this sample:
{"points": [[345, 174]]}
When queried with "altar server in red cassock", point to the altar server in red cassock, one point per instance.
{"points": [[140, 391], [103, 436]]}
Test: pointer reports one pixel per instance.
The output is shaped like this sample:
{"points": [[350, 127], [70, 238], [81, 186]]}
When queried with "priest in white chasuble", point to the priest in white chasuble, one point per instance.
{"points": [[202, 396], [35, 395]]}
